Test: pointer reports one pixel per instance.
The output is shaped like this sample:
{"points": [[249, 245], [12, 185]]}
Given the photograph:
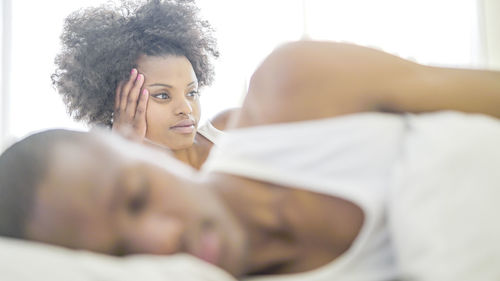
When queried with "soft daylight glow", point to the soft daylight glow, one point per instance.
{"points": [[440, 32]]}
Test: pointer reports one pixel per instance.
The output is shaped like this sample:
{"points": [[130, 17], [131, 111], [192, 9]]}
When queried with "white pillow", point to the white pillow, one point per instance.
{"points": [[29, 261], [444, 208]]}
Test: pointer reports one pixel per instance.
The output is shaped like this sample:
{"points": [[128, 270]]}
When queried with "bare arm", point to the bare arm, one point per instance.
{"points": [[309, 80], [474, 91]]}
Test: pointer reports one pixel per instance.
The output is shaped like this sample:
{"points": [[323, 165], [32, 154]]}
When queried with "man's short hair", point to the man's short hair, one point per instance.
{"points": [[23, 167]]}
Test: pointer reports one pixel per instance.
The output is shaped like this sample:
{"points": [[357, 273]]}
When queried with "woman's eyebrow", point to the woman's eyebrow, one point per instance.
{"points": [[170, 86], [160, 85]]}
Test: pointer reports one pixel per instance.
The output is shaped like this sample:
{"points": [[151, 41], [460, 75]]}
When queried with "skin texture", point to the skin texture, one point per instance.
{"points": [[244, 226]]}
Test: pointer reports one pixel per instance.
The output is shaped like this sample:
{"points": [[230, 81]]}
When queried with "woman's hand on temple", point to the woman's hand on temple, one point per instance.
{"points": [[131, 100]]}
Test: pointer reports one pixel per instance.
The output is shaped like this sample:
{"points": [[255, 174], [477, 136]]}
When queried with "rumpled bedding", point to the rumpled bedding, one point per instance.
{"points": [[30, 261]]}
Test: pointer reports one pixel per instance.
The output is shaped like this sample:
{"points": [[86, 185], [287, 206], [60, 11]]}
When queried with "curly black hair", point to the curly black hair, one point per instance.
{"points": [[101, 46]]}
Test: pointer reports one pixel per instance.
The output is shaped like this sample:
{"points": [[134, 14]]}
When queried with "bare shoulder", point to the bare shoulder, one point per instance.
{"points": [[301, 81], [221, 120], [311, 80]]}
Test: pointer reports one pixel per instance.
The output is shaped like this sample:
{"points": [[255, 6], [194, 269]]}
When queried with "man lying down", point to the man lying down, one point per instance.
{"points": [[311, 183]]}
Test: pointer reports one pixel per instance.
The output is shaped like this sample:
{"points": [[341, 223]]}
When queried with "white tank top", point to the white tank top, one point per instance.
{"points": [[350, 157], [210, 132]]}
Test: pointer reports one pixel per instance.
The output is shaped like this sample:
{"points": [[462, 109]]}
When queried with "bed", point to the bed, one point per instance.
{"points": [[444, 225]]}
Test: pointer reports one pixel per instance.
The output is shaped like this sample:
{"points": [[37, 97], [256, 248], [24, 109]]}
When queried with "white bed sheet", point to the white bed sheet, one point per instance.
{"points": [[29, 261], [443, 213], [444, 206]]}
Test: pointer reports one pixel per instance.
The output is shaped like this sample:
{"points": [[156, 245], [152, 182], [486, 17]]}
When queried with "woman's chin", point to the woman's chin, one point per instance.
{"points": [[182, 143], [175, 142]]}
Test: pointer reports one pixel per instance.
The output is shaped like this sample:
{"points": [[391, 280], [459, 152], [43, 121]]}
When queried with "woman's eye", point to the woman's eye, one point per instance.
{"points": [[193, 94], [162, 96]]}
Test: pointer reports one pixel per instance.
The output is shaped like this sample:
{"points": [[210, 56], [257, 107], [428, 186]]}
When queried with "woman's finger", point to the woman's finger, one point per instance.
{"points": [[133, 96], [140, 113], [126, 90]]}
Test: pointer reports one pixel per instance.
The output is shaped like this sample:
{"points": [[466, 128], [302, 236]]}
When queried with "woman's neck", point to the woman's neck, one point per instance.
{"points": [[189, 156], [196, 154]]}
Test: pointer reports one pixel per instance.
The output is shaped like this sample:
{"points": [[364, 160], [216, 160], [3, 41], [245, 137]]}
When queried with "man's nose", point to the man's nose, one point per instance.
{"points": [[158, 235]]}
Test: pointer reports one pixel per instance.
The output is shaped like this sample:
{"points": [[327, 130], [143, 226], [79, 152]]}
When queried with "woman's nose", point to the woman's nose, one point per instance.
{"points": [[183, 106]]}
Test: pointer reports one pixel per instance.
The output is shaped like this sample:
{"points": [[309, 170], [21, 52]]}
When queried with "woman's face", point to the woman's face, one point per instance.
{"points": [[173, 110], [124, 201]]}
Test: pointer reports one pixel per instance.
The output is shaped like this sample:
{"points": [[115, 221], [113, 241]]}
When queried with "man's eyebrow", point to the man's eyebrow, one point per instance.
{"points": [[116, 196]]}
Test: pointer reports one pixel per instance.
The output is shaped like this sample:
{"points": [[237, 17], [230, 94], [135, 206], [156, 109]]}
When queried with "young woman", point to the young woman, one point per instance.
{"points": [[139, 68]]}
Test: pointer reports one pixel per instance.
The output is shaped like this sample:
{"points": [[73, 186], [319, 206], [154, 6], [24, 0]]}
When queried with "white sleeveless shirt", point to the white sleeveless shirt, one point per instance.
{"points": [[210, 132], [350, 157]]}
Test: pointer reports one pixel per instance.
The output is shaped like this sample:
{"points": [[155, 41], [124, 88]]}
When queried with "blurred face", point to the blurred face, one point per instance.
{"points": [[120, 203], [173, 110]]}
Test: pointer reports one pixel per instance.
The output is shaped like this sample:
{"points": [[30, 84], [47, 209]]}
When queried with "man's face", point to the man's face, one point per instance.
{"points": [[110, 196]]}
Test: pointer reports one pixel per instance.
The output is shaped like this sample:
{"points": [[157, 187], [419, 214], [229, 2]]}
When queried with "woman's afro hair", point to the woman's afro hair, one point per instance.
{"points": [[101, 46]]}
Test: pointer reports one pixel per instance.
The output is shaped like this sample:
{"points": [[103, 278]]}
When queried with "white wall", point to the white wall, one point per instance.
{"points": [[5, 62], [429, 31], [491, 24], [247, 30], [1, 75], [33, 103]]}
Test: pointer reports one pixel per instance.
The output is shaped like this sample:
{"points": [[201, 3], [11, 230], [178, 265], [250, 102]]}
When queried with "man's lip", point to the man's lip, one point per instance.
{"points": [[209, 248]]}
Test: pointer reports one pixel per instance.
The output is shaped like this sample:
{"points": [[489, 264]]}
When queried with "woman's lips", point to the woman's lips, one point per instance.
{"points": [[184, 127]]}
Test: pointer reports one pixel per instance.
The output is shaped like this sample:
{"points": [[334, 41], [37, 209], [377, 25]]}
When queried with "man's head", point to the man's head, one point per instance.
{"points": [[22, 168], [101, 193]]}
